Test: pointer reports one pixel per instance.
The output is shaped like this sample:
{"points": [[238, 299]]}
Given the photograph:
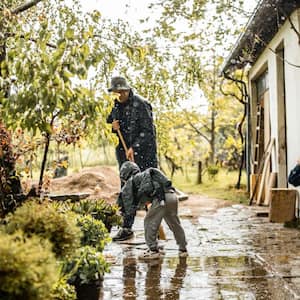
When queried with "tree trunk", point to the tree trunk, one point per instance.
{"points": [[199, 177], [238, 184], [80, 157], [48, 136], [212, 140], [213, 115]]}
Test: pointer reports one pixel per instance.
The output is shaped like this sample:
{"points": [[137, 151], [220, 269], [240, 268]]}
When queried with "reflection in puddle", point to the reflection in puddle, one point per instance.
{"points": [[158, 286], [233, 255], [144, 280], [215, 277]]}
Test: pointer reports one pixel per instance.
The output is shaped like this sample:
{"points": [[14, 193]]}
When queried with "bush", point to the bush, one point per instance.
{"points": [[28, 267], [100, 210], [212, 171], [63, 291], [94, 232], [46, 221], [87, 266]]}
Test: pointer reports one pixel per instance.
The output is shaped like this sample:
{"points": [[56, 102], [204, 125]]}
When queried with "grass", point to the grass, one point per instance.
{"points": [[221, 187]]}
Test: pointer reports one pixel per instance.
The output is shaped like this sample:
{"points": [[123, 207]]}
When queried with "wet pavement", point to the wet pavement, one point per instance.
{"points": [[233, 254]]}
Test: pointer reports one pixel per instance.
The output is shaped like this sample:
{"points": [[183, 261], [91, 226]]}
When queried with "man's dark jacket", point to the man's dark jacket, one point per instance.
{"points": [[136, 124]]}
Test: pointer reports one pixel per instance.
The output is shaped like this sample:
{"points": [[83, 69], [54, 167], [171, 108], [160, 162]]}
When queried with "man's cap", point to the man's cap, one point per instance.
{"points": [[118, 83]]}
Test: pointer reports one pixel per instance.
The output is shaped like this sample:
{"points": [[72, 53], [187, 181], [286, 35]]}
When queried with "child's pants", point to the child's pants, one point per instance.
{"points": [[168, 212]]}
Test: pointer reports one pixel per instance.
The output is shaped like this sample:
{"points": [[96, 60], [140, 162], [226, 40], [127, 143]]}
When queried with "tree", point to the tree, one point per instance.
{"points": [[212, 26], [47, 56]]}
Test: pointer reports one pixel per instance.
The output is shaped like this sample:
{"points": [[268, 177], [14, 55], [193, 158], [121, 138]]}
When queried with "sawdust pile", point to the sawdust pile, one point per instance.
{"points": [[99, 182]]}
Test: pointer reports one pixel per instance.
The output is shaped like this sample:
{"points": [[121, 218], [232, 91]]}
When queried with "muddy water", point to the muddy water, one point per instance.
{"points": [[232, 255]]}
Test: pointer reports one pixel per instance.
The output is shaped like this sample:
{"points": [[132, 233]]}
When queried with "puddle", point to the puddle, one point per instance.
{"points": [[232, 255], [204, 278]]}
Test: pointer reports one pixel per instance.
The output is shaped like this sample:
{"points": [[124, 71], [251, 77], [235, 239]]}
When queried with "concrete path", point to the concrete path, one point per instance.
{"points": [[233, 254]]}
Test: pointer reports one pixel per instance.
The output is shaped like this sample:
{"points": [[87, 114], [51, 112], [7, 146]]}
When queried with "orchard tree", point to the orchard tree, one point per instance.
{"points": [[49, 51], [211, 28]]}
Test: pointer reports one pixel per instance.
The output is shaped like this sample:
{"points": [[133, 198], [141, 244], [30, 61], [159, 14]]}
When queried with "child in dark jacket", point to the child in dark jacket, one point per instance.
{"points": [[152, 186]]}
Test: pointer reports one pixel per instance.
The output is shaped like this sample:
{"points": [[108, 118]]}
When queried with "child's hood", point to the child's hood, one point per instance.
{"points": [[128, 169]]}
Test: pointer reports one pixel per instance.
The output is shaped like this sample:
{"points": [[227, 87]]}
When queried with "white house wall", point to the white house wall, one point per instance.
{"points": [[292, 87]]}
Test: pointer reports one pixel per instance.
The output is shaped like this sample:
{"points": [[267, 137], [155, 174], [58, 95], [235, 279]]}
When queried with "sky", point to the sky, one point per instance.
{"points": [[123, 9], [133, 10]]}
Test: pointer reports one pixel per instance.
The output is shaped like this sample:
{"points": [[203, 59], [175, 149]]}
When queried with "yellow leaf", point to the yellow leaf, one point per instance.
{"points": [[64, 164]]}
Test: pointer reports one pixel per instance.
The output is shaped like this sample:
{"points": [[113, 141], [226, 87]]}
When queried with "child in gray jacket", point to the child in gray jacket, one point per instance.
{"points": [[152, 186]]}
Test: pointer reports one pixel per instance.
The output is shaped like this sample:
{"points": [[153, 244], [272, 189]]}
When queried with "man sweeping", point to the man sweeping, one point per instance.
{"points": [[132, 121]]}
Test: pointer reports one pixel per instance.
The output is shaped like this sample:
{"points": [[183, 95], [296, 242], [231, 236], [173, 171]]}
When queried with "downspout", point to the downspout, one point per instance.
{"points": [[248, 140]]}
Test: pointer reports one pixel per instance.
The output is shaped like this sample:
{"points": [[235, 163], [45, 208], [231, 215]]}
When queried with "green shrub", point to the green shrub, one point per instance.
{"points": [[87, 266], [46, 221], [212, 171], [28, 267], [63, 291], [100, 210], [94, 232]]}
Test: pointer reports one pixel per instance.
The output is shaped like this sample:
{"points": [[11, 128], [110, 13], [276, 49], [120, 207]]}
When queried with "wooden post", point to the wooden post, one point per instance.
{"points": [[253, 183], [283, 205], [199, 177]]}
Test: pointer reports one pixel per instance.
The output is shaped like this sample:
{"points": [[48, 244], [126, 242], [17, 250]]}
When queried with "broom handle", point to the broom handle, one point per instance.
{"points": [[122, 140]]}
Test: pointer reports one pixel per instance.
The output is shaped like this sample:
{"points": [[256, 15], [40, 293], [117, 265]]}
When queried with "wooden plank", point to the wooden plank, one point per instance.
{"points": [[253, 183], [281, 121], [264, 172], [260, 169], [271, 184], [267, 138], [72, 197]]}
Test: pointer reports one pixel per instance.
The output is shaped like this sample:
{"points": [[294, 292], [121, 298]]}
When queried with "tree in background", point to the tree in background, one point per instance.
{"points": [[211, 26], [48, 53]]}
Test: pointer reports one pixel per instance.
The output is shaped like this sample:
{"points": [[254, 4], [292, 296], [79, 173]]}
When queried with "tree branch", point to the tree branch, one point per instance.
{"points": [[199, 132], [294, 28], [8, 34], [235, 80], [288, 17], [231, 94], [25, 6]]}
